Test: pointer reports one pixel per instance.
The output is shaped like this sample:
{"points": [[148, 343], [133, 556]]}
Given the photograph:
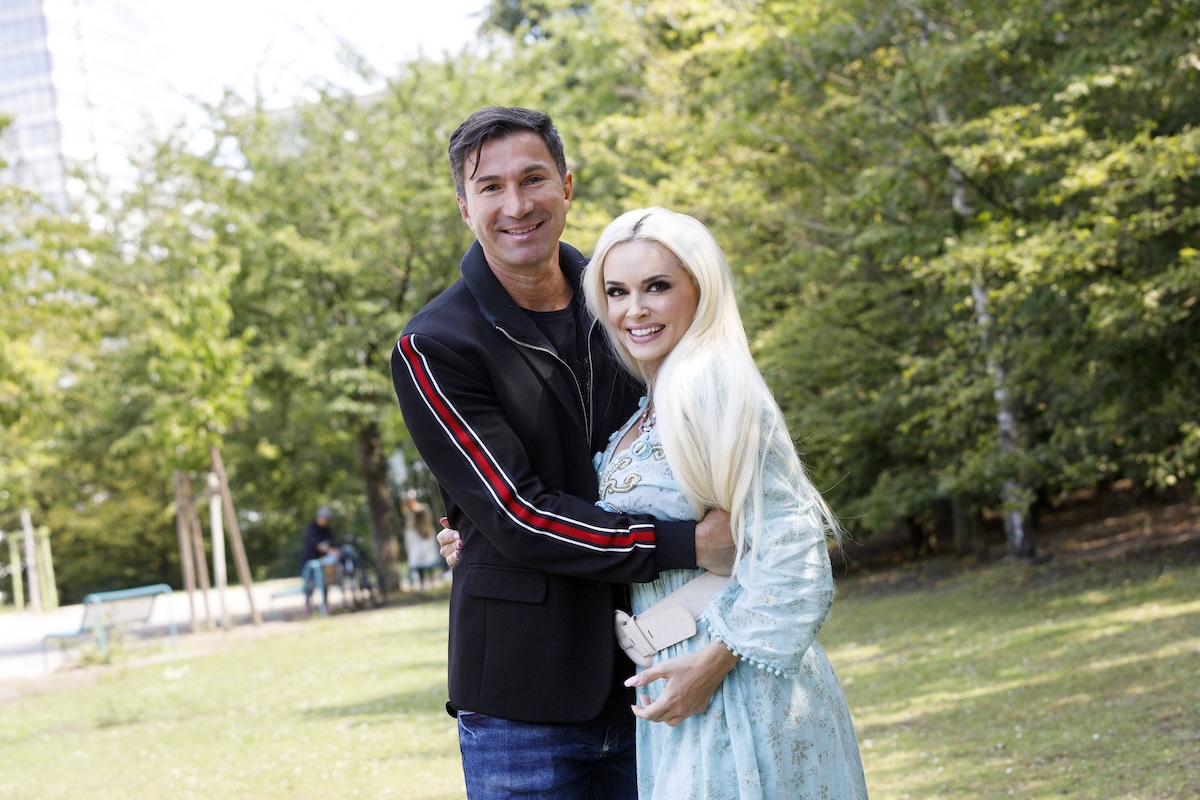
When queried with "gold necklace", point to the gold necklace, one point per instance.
{"points": [[646, 423]]}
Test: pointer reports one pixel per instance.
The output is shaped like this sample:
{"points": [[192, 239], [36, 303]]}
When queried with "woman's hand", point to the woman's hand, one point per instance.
{"points": [[691, 681], [449, 543]]}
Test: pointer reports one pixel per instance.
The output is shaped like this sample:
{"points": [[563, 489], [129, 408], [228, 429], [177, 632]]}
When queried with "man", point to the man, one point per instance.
{"points": [[318, 537], [319, 545], [508, 389]]}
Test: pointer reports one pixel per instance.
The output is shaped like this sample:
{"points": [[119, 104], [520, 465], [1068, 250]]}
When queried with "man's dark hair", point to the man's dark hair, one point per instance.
{"points": [[497, 122]]}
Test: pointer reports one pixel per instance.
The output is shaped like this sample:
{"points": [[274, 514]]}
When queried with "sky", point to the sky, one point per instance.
{"points": [[277, 47]]}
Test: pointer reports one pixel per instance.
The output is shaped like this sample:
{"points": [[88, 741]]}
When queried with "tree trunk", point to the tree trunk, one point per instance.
{"points": [[1020, 543], [31, 563], [240, 562], [961, 515], [385, 546]]}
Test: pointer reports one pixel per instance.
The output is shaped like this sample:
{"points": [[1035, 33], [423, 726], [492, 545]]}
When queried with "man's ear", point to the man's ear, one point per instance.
{"points": [[462, 209]]}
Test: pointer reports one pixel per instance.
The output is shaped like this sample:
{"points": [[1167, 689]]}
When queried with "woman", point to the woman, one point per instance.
{"points": [[710, 435], [420, 546]]}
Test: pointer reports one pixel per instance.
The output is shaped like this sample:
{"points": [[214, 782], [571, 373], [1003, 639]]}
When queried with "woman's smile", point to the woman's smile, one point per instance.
{"points": [[652, 299]]}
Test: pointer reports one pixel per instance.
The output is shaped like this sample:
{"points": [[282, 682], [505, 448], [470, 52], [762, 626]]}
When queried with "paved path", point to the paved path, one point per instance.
{"points": [[21, 632]]}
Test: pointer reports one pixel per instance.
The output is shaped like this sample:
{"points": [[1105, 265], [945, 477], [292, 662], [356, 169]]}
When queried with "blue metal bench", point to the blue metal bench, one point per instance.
{"points": [[105, 613], [312, 579]]}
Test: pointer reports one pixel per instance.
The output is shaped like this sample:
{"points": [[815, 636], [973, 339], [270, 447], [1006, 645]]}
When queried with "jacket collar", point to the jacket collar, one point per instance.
{"points": [[495, 302]]}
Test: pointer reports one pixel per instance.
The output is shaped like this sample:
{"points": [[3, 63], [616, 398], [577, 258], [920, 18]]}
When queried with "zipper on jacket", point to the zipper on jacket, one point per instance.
{"points": [[587, 417]]}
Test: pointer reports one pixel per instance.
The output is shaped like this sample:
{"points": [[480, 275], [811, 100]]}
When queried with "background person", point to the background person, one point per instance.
{"points": [[319, 538], [420, 546], [318, 544]]}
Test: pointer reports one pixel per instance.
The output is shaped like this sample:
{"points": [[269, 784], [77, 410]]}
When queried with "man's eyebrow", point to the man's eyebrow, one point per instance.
{"points": [[535, 167]]}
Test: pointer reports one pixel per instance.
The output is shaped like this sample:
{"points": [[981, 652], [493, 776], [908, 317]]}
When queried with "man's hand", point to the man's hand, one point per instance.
{"points": [[449, 543], [714, 542], [691, 681]]}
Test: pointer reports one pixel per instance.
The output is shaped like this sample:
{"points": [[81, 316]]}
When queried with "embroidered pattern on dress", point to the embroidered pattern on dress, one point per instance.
{"points": [[610, 484]]}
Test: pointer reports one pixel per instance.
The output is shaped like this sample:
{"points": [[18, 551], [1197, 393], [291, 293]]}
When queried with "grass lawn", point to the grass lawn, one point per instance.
{"points": [[351, 705], [1075, 678], [1015, 681]]}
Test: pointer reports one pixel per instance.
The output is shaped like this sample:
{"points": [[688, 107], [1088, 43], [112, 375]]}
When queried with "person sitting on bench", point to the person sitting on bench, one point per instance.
{"points": [[318, 544]]}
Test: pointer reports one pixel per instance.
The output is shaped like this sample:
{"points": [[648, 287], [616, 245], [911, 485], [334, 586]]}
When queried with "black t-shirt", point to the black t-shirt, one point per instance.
{"points": [[567, 331]]}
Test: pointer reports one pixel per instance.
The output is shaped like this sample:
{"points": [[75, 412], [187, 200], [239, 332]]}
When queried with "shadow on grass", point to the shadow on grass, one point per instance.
{"points": [[1015, 683], [383, 709]]}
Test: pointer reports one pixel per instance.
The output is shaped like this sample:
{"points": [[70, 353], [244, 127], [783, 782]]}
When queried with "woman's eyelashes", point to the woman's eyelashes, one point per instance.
{"points": [[654, 286]]}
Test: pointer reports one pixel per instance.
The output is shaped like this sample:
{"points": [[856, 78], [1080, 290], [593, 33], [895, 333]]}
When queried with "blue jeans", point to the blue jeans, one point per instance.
{"points": [[504, 759]]}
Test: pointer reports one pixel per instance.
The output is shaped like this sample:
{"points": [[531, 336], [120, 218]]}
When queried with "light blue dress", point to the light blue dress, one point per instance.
{"points": [[778, 726]]}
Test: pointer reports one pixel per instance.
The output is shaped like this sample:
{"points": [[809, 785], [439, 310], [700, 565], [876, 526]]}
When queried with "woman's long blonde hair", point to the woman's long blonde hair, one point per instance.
{"points": [[718, 420]]}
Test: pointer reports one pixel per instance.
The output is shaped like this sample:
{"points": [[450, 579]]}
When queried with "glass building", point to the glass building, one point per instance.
{"points": [[78, 80]]}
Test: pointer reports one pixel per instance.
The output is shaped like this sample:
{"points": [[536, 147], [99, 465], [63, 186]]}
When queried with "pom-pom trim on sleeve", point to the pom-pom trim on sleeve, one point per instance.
{"points": [[756, 663]]}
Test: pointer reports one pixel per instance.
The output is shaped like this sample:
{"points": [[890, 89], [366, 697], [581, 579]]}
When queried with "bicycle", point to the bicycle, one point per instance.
{"points": [[358, 577]]}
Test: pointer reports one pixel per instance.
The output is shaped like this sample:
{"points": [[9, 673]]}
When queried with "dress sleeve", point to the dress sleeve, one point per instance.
{"points": [[783, 589], [467, 440]]}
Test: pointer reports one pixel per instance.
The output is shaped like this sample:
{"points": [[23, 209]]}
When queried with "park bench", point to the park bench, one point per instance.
{"points": [[108, 613], [316, 577]]}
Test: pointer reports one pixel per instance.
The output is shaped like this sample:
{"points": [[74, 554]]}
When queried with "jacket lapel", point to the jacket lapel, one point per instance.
{"points": [[514, 324]]}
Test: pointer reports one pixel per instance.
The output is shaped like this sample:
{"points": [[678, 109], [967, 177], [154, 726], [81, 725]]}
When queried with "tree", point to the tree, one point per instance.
{"points": [[876, 170], [45, 340], [880, 174], [341, 221]]}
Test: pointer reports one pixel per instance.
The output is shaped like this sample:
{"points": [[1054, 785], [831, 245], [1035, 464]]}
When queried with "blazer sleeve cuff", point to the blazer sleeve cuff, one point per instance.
{"points": [[674, 545]]}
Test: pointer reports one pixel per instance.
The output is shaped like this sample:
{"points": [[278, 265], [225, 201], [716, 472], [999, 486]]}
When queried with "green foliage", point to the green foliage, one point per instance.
{"points": [[43, 338], [46, 344], [342, 218], [873, 170], [824, 143]]}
